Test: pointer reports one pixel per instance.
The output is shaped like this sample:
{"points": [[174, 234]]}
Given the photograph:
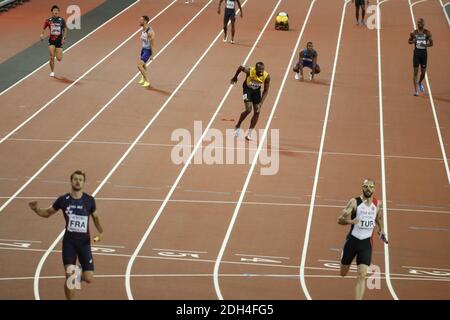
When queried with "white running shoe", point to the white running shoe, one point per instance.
{"points": [[249, 136], [232, 41], [52, 74], [237, 132], [225, 39], [297, 76]]}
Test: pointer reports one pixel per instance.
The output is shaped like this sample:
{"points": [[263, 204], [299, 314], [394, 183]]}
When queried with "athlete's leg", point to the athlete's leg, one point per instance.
{"points": [[226, 18], [69, 256], [87, 276], [52, 52], [361, 281], [357, 11], [344, 269], [143, 69], [300, 69], [317, 69], [247, 111], [233, 28], [69, 283], [423, 71], [86, 261], [59, 53], [256, 110], [363, 12], [416, 72]]}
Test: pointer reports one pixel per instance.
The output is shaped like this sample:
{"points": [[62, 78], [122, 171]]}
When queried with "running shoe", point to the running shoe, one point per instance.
{"points": [[421, 87]]}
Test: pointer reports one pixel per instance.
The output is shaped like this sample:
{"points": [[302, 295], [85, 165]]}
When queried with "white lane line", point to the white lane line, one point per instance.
{"points": [[430, 229], [415, 3], [168, 145], [426, 268], [188, 275], [183, 170], [72, 46], [28, 241], [319, 159], [97, 114], [239, 263], [176, 250], [445, 11], [255, 158], [382, 161], [260, 256], [234, 202], [433, 108], [78, 79], [44, 257]]}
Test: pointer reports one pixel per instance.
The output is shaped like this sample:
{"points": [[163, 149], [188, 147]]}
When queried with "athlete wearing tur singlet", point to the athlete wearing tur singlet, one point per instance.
{"points": [[307, 58], [229, 15], [255, 79], [363, 213], [147, 38], [77, 208], [58, 34], [421, 39]]}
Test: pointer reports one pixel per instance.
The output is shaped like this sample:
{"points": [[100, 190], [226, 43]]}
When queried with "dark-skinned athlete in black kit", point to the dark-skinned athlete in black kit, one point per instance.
{"points": [[421, 39]]}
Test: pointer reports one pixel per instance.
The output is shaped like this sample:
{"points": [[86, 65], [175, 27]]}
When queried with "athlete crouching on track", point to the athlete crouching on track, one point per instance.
{"points": [[362, 213], [77, 207]]}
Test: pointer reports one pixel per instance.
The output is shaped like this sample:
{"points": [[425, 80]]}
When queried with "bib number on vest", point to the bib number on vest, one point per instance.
{"points": [[77, 223]]}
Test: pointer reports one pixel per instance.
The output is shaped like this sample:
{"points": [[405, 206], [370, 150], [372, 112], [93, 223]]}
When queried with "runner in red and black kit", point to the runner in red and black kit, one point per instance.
{"points": [[421, 39], [77, 208], [58, 33]]}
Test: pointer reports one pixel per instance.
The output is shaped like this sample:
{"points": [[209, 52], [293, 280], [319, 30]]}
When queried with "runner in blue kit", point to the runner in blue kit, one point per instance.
{"points": [[307, 58], [229, 15], [362, 213], [77, 207], [147, 38]]}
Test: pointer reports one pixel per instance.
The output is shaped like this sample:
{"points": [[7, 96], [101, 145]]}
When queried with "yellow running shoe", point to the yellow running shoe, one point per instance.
{"points": [[142, 80], [146, 84]]}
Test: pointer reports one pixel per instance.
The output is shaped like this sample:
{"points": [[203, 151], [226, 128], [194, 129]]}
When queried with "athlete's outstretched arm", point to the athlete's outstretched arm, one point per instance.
{"points": [[240, 7], [344, 219], [98, 225], [266, 89], [44, 213], [239, 70]]}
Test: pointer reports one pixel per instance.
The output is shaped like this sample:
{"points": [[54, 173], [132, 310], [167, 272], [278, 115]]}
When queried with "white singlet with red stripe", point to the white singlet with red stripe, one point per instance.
{"points": [[366, 215]]}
